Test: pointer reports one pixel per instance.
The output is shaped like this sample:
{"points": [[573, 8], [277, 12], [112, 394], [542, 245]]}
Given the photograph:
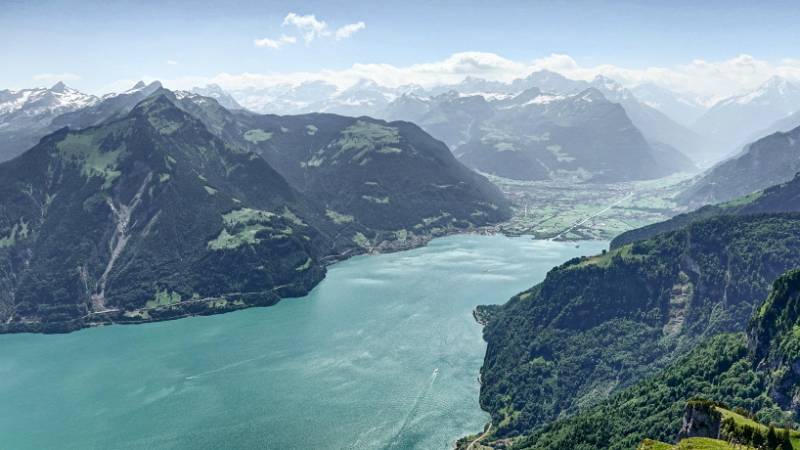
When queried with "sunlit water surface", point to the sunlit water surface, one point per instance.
{"points": [[353, 365]]}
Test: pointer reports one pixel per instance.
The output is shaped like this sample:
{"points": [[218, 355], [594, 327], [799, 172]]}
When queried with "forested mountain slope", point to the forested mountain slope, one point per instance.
{"points": [[784, 197], [150, 215], [766, 162], [390, 177], [598, 325], [753, 374]]}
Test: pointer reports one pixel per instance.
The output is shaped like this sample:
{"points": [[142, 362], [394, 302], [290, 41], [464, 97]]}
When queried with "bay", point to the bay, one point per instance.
{"points": [[383, 353]]}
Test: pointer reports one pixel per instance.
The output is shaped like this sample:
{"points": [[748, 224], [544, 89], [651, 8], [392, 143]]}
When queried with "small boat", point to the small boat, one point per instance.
{"points": [[436, 371]]}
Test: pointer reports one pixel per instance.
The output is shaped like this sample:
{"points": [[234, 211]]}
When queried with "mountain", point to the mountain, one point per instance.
{"points": [[89, 217], [660, 130], [682, 109], [593, 357], [773, 341], [768, 161], [109, 106], [535, 135], [781, 198], [476, 86], [390, 177], [452, 115], [412, 107], [220, 95], [752, 379], [25, 115], [413, 102], [364, 98], [597, 326], [782, 125], [732, 121], [285, 99], [654, 408], [90, 220], [657, 127], [549, 81]]}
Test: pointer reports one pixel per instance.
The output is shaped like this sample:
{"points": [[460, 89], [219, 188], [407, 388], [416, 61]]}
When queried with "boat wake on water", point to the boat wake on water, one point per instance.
{"points": [[226, 367], [396, 440]]}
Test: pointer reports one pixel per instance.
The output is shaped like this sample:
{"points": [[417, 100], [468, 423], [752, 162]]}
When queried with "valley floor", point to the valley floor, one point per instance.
{"points": [[570, 210]]}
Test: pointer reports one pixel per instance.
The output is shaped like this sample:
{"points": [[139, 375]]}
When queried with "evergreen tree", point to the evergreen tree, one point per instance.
{"points": [[758, 438], [772, 438], [786, 441]]}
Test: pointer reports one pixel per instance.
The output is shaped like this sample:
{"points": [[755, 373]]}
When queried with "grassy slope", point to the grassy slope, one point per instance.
{"points": [[690, 444]]}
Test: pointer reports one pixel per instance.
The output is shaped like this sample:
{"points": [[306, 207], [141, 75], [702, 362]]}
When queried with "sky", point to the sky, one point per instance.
{"points": [[711, 48]]}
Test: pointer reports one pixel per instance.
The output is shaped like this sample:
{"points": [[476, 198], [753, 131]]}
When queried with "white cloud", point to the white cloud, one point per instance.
{"points": [[708, 80], [275, 43], [308, 25], [705, 79], [55, 77], [348, 30], [310, 29], [171, 62]]}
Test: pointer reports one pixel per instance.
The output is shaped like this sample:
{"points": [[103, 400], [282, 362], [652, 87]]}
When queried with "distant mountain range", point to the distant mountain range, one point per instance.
{"points": [[220, 95], [770, 160], [681, 108], [780, 198], [28, 115], [536, 135], [25, 115], [109, 106], [733, 122], [387, 176], [164, 209], [671, 123], [371, 99], [581, 146], [704, 133]]}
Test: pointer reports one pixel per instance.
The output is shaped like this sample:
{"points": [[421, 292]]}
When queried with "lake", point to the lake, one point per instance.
{"points": [[384, 353]]}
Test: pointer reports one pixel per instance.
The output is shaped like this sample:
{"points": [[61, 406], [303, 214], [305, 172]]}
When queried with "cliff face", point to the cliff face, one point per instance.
{"points": [[774, 340], [597, 325], [751, 377], [700, 419]]}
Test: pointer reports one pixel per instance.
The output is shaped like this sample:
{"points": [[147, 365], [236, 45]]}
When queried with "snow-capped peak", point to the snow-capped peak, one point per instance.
{"points": [[607, 84], [180, 95], [778, 83], [771, 90], [589, 95], [37, 101]]}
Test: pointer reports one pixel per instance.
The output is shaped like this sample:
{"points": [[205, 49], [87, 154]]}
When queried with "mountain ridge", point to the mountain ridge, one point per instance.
{"points": [[119, 192]]}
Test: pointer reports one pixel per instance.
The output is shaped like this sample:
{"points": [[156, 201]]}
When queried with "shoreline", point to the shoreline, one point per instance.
{"points": [[230, 302]]}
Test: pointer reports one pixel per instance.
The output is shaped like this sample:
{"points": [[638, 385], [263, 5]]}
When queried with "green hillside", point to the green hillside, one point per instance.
{"points": [[746, 374]]}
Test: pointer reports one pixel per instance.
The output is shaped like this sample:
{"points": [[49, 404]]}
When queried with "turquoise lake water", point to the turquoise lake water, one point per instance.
{"points": [[353, 365]]}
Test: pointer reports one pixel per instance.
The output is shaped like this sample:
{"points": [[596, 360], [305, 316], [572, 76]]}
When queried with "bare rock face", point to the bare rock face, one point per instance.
{"points": [[774, 343], [700, 419]]}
